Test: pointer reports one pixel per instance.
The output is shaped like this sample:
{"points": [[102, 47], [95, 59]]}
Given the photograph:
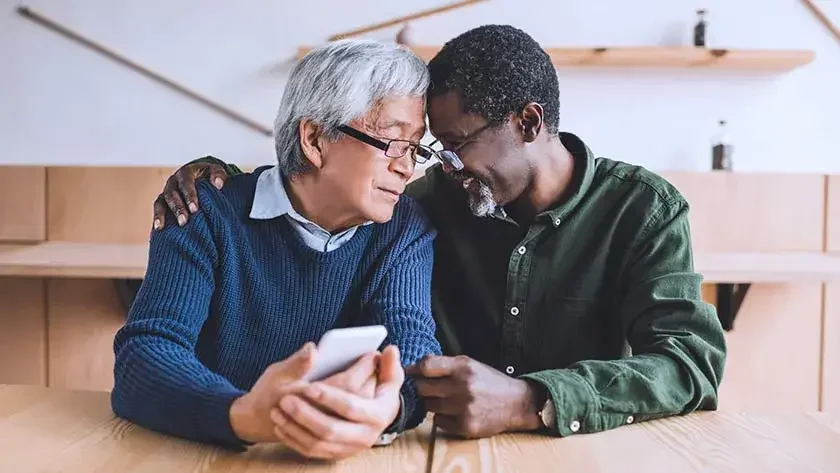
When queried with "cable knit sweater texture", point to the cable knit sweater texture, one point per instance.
{"points": [[225, 296]]}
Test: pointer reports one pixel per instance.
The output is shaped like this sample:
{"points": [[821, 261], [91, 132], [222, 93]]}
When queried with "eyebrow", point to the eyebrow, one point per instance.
{"points": [[404, 126]]}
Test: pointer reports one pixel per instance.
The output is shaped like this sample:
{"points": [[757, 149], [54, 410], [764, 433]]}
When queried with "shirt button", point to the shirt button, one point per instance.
{"points": [[509, 370], [630, 419], [514, 310], [574, 426], [521, 250], [557, 221]]}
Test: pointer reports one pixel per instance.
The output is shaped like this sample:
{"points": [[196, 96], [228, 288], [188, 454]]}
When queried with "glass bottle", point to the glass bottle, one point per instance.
{"points": [[700, 29], [722, 148]]}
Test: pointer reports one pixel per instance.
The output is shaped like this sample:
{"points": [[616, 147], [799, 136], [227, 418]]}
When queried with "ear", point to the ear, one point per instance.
{"points": [[531, 121], [310, 142]]}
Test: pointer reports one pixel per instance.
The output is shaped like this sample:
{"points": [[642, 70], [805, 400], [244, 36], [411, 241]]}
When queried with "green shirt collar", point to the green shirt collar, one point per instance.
{"points": [[584, 173]]}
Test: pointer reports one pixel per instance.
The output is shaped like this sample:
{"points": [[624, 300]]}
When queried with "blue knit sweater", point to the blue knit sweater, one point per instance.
{"points": [[226, 296]]}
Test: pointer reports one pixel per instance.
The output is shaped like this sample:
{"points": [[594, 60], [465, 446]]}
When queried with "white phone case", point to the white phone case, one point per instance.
{"points": [[339, 348]]}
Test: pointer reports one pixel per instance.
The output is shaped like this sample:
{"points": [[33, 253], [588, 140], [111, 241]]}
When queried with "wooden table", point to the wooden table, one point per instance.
{"points": [[51, 430]]}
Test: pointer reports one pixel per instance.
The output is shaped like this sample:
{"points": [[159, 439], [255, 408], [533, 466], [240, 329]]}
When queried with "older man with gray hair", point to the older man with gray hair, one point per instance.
{"points": [[219, 338]]}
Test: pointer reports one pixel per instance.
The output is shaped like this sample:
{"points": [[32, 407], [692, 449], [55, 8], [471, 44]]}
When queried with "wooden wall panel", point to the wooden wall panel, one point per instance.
{"points": [[103, 204], [22, 331], [746, 212], [84, 315], [22, 203], [831, 354], [833, 214], [774, 350]]}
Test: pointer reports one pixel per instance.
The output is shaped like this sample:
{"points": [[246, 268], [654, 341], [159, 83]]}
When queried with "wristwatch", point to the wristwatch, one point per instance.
{"points": [[548, 416]]}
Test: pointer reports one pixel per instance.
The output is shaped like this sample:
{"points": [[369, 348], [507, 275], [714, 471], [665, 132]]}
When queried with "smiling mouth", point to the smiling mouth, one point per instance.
{"points": [[390, 191]]}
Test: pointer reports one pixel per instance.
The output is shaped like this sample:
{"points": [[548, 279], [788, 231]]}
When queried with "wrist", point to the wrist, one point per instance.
{"points": [[532, 397], [243, 419]]}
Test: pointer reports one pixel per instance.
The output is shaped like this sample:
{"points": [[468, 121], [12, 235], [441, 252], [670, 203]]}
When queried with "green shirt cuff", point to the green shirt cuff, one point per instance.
{"points": [[577, 404]]}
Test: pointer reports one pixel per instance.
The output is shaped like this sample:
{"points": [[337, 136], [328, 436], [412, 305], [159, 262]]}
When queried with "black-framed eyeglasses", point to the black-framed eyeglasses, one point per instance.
{"points": [[399, 148]]}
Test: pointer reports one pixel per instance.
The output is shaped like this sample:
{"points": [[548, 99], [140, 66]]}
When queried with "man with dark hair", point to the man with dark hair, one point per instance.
{"points": [[563, 285]]}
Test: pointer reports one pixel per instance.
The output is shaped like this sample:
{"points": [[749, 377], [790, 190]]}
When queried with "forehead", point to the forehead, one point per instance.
{"points": [[447, 118], [405, 113]]}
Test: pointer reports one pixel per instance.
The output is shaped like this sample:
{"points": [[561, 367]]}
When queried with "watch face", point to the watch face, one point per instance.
{"points": [[547, 414]]}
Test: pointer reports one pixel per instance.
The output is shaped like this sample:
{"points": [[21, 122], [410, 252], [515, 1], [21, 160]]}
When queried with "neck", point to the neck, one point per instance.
{"points": [[309, 199], [550, 185]]}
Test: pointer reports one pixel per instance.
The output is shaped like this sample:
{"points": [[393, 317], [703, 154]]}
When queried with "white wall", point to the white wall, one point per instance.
{"points": [[60, 103]]}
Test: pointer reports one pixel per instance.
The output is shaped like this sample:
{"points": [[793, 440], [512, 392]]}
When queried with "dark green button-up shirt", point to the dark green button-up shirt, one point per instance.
{"points": [[596, 299]]}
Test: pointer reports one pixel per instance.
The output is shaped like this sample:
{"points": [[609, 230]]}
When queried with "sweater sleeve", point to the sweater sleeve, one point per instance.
{"points": [[402, 303], [159, 383]]}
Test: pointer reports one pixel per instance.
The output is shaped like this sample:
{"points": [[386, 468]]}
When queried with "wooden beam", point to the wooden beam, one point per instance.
{"points": [[53, 25], [403, 19], [823, 19]]}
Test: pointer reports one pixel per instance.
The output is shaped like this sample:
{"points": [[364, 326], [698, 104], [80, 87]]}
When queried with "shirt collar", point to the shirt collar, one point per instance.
{"points": [[271, 199], [584, 175]]}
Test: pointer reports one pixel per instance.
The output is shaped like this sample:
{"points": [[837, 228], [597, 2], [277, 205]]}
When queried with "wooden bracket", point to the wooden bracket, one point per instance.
{"points": [[127, 291], [730, 296]]}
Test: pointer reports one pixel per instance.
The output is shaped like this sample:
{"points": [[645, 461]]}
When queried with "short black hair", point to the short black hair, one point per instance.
{"points": [[497, 70]]}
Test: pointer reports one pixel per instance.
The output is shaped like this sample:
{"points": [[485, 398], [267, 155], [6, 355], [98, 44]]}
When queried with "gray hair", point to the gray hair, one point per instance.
{"points": [[338, 82]]}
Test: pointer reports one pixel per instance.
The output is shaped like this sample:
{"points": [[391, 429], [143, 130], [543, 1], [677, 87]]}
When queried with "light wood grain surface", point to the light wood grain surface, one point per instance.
{"points": [[102, 204], [704, 442], [23, 337], [75, 260], [747, 212], [768, 267], [98, 260], [831, 350], [48, 429], [778, 322], [84, 316], [832, 214], [22, 203]]}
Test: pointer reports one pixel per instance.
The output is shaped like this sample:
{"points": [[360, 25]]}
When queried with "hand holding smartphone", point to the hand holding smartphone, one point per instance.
{"points": [[339, 348]]}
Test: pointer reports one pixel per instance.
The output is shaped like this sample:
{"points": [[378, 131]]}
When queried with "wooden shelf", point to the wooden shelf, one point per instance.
{"points": [[660, 57], [767, 267], [74, 260]]}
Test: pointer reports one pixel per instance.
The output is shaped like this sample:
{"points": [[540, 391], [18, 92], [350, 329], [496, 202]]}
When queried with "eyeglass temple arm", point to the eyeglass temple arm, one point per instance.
{"points": [[363, 138]]}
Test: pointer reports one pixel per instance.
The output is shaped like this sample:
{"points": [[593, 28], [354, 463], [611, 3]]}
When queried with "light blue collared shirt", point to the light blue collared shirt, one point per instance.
{"points": [[271, 201]]}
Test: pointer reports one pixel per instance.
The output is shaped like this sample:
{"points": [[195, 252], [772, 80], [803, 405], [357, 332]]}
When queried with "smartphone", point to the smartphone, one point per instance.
{"points": [[339, 348]]}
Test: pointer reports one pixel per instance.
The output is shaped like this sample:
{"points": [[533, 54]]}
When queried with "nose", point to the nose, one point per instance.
{"points": [[403, 166]]}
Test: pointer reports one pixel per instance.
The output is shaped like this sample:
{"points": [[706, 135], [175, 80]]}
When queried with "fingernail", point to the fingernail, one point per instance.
{"points": [[182, 220], [218, 183], [193, 207], [156, 224]]}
